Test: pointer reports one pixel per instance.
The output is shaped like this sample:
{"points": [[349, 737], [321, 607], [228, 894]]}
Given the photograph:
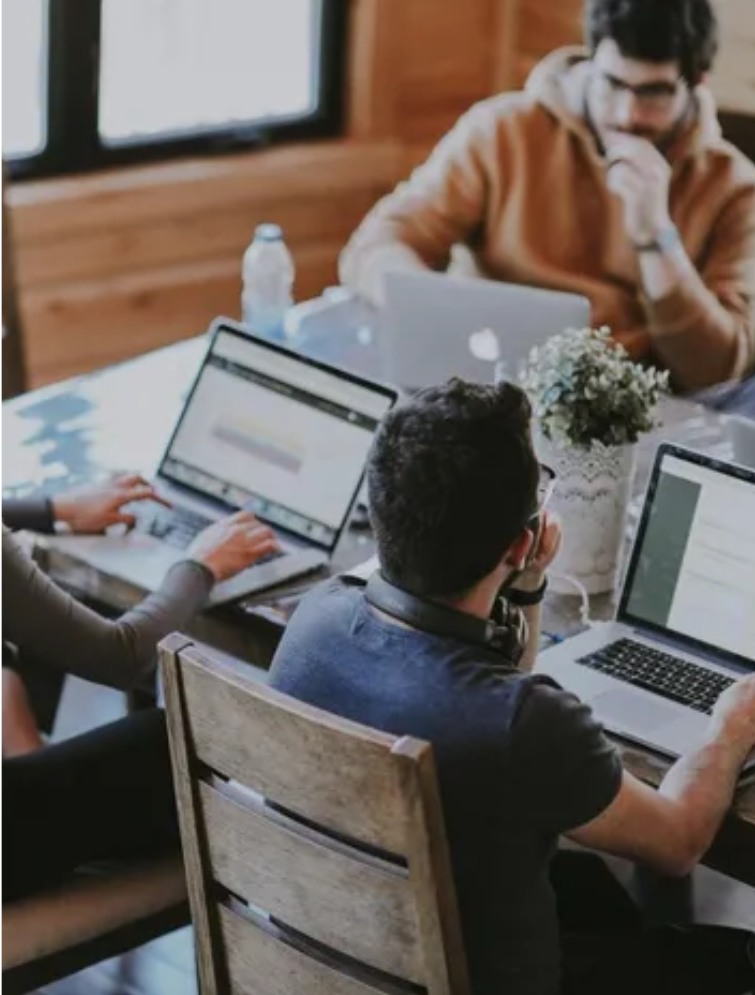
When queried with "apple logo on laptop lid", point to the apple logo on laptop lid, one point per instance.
{"points": [[484, 345]]}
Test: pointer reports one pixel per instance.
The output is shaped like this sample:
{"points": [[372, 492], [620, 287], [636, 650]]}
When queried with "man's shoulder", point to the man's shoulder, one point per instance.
{"points": [[333, 595], [506, 112], [742, 169], [727, 163]]}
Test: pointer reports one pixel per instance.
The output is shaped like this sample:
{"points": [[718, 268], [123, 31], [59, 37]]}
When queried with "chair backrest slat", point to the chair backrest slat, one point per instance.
{"points": [[259, 734], [315, 847], [262, 962], [366, 912]]}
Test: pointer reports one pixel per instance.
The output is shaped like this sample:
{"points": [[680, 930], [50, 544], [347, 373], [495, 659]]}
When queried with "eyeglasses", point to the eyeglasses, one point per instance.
{"points": [[650, 96]]}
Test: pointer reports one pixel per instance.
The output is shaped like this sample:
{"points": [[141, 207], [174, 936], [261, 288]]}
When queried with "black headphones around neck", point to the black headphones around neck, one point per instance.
{"points": [[505, 633]]}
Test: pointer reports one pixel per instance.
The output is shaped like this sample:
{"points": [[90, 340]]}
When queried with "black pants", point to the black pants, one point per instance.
{"points": [[105, 795], [607, 950]]}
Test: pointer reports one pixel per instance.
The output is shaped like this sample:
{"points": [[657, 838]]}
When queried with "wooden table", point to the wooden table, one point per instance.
{"points": [[121, 418]]}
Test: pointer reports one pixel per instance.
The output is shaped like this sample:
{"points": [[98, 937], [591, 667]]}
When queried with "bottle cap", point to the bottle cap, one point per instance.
{"points": [[268, 233]]}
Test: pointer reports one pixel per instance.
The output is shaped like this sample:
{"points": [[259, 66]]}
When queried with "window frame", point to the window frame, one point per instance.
{"points": [[73, 144]]}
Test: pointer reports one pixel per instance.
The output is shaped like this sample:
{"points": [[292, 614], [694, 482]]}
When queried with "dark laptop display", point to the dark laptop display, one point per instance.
{"points": [[285, 438], [692, 573]]}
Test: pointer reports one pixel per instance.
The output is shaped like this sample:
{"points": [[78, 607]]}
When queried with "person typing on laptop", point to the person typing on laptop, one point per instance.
{"points": [[607, 177], [429, 649], [263, 429], [106, 794]]}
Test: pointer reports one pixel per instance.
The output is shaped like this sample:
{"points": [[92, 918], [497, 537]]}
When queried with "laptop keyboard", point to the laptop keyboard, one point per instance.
{"points": [[663, 674], [179, 527], [176, 526]]}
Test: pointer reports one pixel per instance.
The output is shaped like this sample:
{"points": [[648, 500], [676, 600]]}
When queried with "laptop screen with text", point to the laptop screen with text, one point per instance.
{"points": [[272, 432], [693, 568]]}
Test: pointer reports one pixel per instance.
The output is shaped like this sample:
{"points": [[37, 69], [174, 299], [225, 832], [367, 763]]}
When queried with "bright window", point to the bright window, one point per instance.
{"points": [[94, 83], [24, 76], [204, 64]]}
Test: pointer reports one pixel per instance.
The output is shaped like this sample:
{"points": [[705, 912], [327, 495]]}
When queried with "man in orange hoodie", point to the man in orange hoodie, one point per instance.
{"points": [[608, 176]]}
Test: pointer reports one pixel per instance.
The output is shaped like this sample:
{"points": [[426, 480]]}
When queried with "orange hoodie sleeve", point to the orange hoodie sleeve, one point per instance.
{"points": [[442, 203], [704, 330]]}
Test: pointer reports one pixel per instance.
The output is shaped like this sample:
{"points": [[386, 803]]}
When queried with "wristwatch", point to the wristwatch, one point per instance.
{"points": [[666, 240], [526, 599]]}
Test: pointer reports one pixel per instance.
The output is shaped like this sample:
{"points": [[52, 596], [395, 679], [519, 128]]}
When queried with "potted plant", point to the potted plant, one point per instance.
{"points": [[591, 403]]}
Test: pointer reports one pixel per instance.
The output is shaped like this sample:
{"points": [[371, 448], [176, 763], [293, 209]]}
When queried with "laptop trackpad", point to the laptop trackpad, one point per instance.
{"points": [[622, 708]]}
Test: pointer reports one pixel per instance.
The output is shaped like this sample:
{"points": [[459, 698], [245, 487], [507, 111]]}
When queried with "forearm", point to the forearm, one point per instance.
{"points": [[43, 620], [701, 786], [533, 615], [698, 339], [669, 829], [365, 261]]}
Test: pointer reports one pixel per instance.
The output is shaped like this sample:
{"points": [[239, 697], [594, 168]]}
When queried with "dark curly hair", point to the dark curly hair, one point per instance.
{"points": [[683, 31], [452, 480]]}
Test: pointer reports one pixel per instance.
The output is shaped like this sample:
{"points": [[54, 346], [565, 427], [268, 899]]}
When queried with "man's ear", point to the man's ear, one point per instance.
{"points": [[519, 550]]}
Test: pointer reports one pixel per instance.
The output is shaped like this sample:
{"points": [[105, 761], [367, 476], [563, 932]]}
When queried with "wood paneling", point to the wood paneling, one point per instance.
{"points": [[84, 326], [116, 264], [447, 63], [112, 264], [734, 76], [542, 27]]}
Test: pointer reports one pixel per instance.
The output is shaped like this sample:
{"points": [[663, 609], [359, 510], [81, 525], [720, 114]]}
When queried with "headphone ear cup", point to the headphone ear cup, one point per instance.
{"points": [[521, 631]]}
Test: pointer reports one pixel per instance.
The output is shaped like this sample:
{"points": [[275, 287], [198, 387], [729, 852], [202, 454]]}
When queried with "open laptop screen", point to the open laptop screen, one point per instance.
{"points": [[692, 572], [269, 430]]}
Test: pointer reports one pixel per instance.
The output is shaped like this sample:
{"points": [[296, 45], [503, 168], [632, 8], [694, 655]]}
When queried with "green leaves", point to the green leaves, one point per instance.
{"points": [[584, 388]]}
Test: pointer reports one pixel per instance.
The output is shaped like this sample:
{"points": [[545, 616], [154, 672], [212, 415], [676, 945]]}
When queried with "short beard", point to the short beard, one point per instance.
{"points": [[662, 142]]}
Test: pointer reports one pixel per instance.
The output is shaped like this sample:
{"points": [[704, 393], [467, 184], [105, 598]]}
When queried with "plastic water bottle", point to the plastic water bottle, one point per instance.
{"points": [[267, 273]]}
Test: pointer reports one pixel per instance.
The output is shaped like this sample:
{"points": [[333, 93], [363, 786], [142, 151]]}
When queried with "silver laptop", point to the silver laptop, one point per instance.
{"points": [[263, 428], [685, 626], [741, 434], [435, 326]]}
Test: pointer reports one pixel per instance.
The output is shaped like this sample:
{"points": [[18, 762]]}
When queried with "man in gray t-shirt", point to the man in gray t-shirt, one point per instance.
{"points": [[454, 487], [519, 762]]}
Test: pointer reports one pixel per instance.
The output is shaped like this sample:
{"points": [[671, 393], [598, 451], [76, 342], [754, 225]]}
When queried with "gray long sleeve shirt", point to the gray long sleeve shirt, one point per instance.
{"points": [[41, 619]]}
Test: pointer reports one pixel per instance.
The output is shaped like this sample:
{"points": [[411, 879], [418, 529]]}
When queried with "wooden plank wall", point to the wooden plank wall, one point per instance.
{"points": [[734, 78], [113, 264]]}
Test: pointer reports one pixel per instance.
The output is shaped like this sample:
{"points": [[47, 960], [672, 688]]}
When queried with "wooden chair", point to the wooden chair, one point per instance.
{"points": [[14, 361], [315, 848], [90, 918]]}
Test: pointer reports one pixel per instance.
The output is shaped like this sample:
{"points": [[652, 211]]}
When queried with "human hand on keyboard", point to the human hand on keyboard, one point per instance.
{"points": [[234, 543], [733, 717], [96, 507]]}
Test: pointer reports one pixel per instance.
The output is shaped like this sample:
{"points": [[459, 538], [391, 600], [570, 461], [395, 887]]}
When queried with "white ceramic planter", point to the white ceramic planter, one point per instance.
{"points": [[592, 493]]}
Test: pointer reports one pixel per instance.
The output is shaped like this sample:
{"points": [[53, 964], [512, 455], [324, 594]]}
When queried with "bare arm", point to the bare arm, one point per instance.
{"points": [[671, 828]]}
